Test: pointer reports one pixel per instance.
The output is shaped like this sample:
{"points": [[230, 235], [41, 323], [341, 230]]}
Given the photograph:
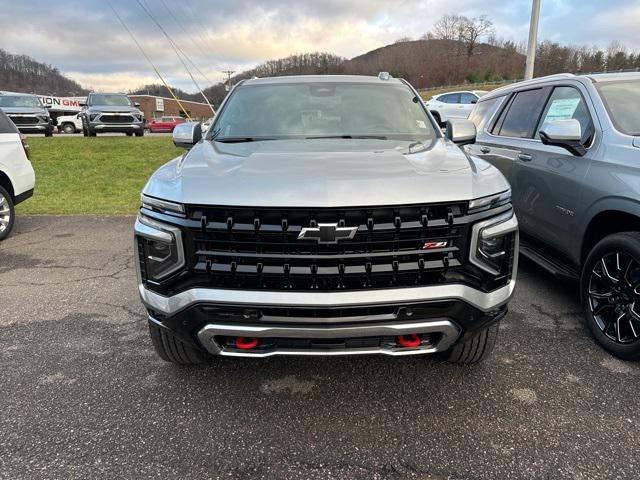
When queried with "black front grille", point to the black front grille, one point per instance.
{"points": [[116, 118], [249, 248], [24, 120]]}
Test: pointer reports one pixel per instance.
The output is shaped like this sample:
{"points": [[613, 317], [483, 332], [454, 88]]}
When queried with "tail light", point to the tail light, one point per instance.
{"points": [[25, 146]]}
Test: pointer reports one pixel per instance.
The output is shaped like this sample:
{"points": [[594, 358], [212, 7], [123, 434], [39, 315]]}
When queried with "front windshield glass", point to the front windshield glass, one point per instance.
{"points": [[323, 109], [10, 101], [110, 100], [622, 100]]}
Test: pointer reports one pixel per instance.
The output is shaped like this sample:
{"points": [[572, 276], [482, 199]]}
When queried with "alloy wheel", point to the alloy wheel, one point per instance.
{"points": [[614, 297], [5, 213]]}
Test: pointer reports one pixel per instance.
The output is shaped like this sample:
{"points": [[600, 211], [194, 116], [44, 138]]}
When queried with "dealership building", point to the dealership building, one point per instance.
{"points": [[154, 107]]}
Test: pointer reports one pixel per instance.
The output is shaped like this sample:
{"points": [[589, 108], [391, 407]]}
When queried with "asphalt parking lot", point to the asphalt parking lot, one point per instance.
{"points": [[84, 396]]}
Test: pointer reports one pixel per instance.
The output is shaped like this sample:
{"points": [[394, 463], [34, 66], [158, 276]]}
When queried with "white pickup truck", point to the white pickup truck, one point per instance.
{"points": [[69, 124]]}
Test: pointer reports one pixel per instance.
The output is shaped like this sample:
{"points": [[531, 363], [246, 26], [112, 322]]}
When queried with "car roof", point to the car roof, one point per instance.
{"points": [[611, 77], [320, 79], [593, 77]]}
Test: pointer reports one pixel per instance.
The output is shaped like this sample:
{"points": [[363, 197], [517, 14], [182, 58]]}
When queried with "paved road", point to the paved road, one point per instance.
{"points": [[83, 395]]}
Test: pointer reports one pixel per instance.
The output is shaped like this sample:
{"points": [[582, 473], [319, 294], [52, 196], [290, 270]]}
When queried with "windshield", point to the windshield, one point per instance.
{"points": [[323, 109], [622, 100], [110, 100], [9, 101]]}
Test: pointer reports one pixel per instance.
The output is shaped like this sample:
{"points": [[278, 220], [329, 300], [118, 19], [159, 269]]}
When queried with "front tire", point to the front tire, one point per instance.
{"points": [[171, 349], [476, 349], [7, 214], [48, 132], [610, 294], [140, 133], [68, 128]]}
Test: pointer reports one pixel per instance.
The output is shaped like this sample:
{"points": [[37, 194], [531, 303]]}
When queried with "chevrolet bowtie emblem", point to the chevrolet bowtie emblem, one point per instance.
{"points": [[327, 233]]}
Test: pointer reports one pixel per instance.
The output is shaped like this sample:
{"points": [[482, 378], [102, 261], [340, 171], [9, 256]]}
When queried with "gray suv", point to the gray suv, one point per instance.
{"points": [[27, 112], [325, 215], [111, 112], [570, 147]]}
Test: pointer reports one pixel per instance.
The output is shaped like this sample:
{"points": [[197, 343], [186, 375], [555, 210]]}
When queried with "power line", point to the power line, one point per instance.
{"points": [[177, 50], [155, 69], [186, 32]]}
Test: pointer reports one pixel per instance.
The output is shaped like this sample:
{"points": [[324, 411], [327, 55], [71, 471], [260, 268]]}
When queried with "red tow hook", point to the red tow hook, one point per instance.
{"points": [[246, 343], [409, 341]]}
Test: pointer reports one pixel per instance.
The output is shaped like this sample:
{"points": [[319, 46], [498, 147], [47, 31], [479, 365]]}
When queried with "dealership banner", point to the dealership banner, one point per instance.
{"points": [[63, 104]]}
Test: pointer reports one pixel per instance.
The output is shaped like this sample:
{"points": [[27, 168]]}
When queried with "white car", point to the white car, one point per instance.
{"points": [[69, 124], [17, 179], [453, 105]]}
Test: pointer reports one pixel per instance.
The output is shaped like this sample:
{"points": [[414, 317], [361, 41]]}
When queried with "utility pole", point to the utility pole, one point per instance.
{"points": [[228, 73], [533, 39]]}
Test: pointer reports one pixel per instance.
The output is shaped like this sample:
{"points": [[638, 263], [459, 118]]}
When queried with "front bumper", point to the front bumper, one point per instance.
{"points": [[118, 127], [333, 323], [39, 128]]}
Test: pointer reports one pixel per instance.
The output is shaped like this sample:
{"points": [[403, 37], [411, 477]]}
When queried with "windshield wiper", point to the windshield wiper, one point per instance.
{"points": [[242, 139], [358, 137]]}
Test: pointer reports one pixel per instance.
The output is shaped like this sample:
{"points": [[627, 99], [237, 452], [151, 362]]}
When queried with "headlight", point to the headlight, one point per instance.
{"points": [[93, 116], [492, 201], [494, 243], [162, 206], [159, 248]]}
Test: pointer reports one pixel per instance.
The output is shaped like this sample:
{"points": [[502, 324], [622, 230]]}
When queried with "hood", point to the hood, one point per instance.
{"points": [[110, 109], [324, 173], [25, 111]]}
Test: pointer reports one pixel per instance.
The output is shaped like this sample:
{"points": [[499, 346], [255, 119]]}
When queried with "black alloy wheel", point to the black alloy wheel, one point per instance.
{"points": [[614, 297]]}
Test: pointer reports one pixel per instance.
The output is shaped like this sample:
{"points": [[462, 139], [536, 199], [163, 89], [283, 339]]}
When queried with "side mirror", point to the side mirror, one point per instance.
{"points": [[564, 133], [187, 134], [48, 107], [83, 104], [137, 105], [474, 101], [461, 132]]}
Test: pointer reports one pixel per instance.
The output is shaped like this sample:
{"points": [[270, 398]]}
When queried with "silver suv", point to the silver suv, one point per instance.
{"points": [[570, 147], [27, 112], [111, 112], [325, 215]]}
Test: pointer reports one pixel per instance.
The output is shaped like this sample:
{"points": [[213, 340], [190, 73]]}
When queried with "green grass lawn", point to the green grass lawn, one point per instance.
{"points": [[80, 175]]}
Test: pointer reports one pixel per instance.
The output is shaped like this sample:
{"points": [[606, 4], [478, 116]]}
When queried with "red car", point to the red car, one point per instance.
{"points": [[164, 124]]}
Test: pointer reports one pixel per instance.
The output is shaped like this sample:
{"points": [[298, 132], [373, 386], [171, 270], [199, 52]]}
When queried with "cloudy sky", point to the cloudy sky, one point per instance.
{"points": [[84, 39]]}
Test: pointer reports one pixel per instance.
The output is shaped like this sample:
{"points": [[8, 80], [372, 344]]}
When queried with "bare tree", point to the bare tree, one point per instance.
{"points": [[473, 29], [449, 27]]}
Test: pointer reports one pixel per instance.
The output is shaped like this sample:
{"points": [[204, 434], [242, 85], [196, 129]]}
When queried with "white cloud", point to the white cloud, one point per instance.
{"points": [[85, 40]]}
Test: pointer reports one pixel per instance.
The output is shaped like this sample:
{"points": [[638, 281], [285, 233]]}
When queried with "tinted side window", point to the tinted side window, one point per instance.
{"points": [[521, 116], [468, 98], [483, 111], [451, 98], [566, 103]]}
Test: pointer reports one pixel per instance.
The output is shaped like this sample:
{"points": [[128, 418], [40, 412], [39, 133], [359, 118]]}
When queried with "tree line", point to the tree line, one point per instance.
{"points": [[21, 73]]}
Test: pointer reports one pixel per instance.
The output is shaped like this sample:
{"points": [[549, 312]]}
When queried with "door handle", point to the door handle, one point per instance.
{"points": [[485, 149], [525, 157]]}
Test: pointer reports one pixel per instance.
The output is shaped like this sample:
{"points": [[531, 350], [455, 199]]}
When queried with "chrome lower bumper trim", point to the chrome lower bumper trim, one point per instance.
{"points": [[254, 298], [446, 328], [104, 126]]}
